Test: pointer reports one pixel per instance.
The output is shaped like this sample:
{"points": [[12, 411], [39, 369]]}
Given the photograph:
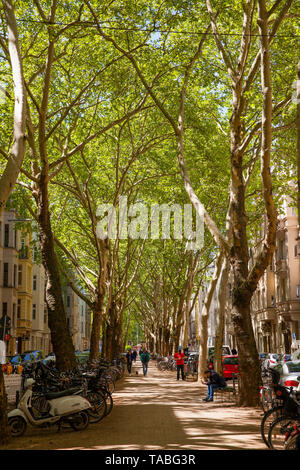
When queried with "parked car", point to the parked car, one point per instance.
{"points": [[284, 358], [82, 356], [193, 359], [271, 360], [230, 366], [263, 356], [17, 359], [289, 373], [296, 355], [287, 357], [226, 351], [50, 358], [32, 356], [27, 356]]}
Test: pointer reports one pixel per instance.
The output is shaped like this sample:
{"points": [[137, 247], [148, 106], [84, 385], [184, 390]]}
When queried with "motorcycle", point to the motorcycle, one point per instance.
{"points": [[64, 407]]}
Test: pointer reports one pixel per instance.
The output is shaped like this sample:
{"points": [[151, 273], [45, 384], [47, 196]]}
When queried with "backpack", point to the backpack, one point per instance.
{"points": [[145, 357]]}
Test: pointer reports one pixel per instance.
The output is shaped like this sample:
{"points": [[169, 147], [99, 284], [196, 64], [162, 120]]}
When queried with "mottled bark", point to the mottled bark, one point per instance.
{"points": [[60, 336], [221, 312], [15, 158], [298, 139], [203, 324]]}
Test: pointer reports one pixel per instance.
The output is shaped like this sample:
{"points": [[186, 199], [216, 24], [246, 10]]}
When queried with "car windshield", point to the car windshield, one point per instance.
{"points": [[231, 360], [292, 367], [225, 350]]}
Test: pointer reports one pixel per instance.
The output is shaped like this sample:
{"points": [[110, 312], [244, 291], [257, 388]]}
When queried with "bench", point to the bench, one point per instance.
{"points": [[229, 393]]}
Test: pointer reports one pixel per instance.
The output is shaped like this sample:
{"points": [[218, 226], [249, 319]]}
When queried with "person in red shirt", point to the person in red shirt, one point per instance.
{"points": [[180, 357]]}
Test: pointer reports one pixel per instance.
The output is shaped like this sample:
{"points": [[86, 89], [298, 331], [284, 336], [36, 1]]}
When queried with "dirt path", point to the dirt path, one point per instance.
{"points": [[157, 412]]}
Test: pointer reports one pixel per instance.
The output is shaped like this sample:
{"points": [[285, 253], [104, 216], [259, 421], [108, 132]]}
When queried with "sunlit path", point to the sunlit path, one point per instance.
{"points": [[158, 412]]}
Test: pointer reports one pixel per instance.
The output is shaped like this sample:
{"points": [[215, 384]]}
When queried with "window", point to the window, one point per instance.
{"points": [[34, 282], [34, 254], [298, 291], [6, 235], [272, 300], [19, 275], [19, 309], [296, 251], [4, 309], [15, 275], [5, 274], [68, 301], [14, 316], [293, 367], [33, 311], [281, 250], [283, 290], [231, 361]]}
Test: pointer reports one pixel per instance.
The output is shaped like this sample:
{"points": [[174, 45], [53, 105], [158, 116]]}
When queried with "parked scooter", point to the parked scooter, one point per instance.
{"points": [[61, 408]]}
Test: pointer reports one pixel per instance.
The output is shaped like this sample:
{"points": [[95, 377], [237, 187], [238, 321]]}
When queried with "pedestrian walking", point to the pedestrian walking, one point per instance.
{"points": [[129, 359], [145, 358], [134, 355], [180, 357], [213, 381]]}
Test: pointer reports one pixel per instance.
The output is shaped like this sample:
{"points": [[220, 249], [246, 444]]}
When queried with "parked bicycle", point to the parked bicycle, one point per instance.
{"points": [[282, 418]]}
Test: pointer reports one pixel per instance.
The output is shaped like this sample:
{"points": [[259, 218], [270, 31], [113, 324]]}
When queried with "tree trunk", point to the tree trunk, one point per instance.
{"points": [[298, 139], [96, 329], [99, 305], [203, 326], [245, 283], [60, 335], [4, 430], [220, 320], [15, 159]]}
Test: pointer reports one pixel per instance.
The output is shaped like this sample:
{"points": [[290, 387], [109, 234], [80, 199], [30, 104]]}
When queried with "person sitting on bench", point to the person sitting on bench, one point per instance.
{"points": [[213, 381]]}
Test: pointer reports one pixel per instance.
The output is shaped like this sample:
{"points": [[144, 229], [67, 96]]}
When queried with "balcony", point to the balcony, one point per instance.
{"points": [[289, 309], [281, 268], [23, 323], [266, 314], [24, 252]]}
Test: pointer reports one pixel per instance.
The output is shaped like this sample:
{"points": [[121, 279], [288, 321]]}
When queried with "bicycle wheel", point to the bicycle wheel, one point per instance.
{"points": [[108, 398], [98, 407], [266, 398], [278, 430], [293, 442], [109, 402], [268, 418]]}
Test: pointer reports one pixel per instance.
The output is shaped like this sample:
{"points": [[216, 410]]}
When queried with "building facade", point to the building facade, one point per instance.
{"points": [[22, 294], [275, 307]]}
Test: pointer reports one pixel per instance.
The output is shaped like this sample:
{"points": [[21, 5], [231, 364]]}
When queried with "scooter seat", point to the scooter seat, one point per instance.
{"points": [[63, 393]]}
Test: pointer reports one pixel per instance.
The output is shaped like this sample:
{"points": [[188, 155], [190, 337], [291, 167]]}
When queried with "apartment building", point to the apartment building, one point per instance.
{"points": [[9, 263], [78, 318], [276, 303], [22, 293]]}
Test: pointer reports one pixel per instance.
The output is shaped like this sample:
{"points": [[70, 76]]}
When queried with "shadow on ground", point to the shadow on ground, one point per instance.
{"points": [[157, 412]]}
